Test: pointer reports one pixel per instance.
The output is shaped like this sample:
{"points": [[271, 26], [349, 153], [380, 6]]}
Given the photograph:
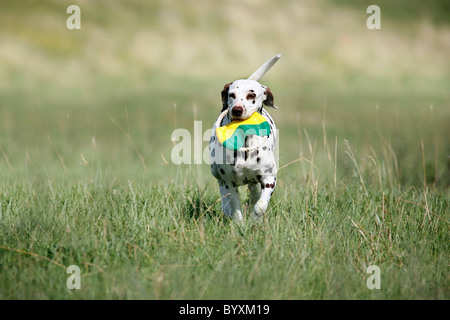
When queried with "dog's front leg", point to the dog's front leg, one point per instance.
{"points": [[231, 202], [255, 193], [267, 187]]}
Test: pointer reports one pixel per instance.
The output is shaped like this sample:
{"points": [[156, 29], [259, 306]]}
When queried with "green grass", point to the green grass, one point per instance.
{"points": [[170, 241], [86, 176]]}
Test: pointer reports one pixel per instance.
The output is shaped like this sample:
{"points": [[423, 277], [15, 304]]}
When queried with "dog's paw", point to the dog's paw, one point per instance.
{"points": [[258, 210]]}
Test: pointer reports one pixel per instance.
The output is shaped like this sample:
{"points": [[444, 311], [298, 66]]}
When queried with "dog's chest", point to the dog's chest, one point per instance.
{"points": [[250, 166], [244, 167]]}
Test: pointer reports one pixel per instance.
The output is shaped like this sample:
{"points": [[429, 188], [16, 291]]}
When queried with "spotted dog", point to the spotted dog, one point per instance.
{"points": [[255, 167]]}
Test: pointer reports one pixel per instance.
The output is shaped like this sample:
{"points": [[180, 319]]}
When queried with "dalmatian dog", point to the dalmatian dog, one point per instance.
{"points": [[254, 164]]}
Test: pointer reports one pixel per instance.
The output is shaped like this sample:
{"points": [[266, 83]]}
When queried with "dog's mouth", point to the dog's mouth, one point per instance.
{"points": [[238, 118]]}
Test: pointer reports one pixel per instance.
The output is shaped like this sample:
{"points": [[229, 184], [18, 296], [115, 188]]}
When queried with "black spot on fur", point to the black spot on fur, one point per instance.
{"points": [[268, 170], [264, 148], [213, 152], [222, 171]]}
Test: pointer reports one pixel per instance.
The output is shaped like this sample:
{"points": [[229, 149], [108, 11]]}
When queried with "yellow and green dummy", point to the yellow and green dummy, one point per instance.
{"points": [[232, 136]]}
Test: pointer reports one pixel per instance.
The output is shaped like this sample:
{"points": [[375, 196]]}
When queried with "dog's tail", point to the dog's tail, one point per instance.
{"points": [[264, 68]]}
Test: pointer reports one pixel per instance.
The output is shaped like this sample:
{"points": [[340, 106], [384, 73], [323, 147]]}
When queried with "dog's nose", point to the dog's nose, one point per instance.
{"points": [[237, 111]]}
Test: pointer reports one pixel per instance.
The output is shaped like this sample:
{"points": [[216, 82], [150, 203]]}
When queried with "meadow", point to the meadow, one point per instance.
{"points": [[87, 178]]}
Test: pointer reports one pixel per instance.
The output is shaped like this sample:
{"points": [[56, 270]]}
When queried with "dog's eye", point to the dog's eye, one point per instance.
{"points": [[251, 96], [232, 96]]}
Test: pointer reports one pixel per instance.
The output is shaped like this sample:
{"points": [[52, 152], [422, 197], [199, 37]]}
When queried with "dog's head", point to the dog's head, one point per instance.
{"points": [[244, 97]]}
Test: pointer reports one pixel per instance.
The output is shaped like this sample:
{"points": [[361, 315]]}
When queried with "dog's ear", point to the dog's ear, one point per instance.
{"points": [[225, 96], [269, 98]]}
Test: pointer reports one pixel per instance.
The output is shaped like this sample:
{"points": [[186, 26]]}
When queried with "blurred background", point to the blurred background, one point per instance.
{"points": [[102, 102]]}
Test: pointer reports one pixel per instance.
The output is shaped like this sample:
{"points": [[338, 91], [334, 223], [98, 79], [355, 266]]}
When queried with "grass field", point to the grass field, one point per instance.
{"points": [[86, 176]]}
